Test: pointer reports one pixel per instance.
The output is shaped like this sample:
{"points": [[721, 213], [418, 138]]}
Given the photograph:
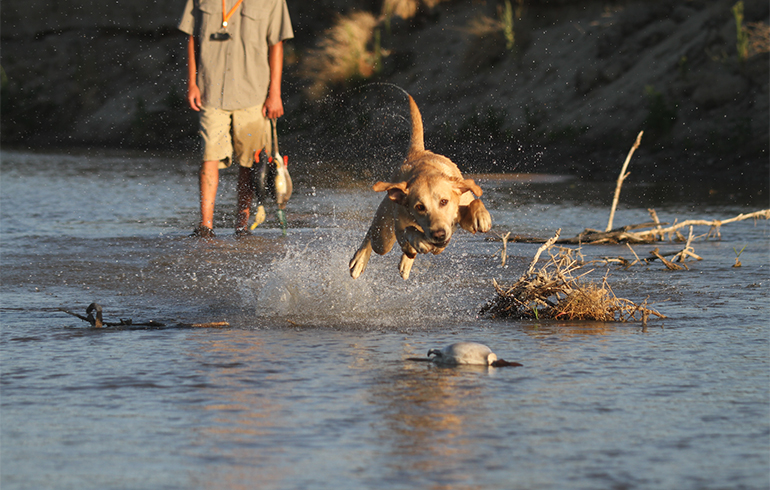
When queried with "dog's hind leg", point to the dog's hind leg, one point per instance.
{"points": [[361, 258], [378, 243], [379, 238]]}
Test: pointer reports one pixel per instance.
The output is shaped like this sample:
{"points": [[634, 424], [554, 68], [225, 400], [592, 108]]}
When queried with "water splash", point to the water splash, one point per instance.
{"points": [[311, 285]]}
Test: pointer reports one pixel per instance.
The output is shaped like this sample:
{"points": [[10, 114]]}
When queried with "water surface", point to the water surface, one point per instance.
{"points": [[310, 387]]}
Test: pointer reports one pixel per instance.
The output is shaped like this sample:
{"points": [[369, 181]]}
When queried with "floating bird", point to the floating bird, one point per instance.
{"points": [[467, 353]]}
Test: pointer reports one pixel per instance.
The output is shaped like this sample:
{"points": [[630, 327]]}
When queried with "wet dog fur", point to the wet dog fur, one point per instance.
{"points": [[427, 197]]}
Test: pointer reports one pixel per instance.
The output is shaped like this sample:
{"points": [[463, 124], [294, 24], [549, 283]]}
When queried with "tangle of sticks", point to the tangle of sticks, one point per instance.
{"points": [[558, 291]]}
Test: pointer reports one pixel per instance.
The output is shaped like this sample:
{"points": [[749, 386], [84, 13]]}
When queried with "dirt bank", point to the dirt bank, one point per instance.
{"points": [[580, 82]]}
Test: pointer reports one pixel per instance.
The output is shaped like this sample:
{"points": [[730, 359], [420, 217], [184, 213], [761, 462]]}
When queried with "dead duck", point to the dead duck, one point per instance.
{"points": [[94, 320], [467, 353], [94, 316]]}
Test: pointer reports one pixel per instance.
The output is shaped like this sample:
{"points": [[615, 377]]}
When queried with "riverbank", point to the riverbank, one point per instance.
{"points": [[570, 96]]}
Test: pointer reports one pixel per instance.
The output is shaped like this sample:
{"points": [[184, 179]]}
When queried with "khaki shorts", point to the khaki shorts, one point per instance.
{"points": [[242, 132]]}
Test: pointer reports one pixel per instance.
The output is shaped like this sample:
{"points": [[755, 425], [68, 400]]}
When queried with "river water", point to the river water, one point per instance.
{"points": [[310, 387]]}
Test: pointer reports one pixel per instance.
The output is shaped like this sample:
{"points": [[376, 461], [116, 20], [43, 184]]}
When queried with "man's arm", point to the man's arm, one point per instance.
{"points": [[193, 92], [273, 107]]}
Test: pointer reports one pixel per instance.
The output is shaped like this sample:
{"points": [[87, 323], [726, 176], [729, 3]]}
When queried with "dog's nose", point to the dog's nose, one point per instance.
{"points": [[439, 235]]}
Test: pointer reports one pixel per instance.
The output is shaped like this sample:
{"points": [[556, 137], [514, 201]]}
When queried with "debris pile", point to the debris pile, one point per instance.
{"points": [[556, 291]]}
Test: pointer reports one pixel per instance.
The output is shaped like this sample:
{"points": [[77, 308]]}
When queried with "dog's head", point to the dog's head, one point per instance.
{"points": [[433, 202]]}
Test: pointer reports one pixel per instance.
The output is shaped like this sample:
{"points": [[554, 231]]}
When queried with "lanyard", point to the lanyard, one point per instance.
{"points": [[226, 17]]}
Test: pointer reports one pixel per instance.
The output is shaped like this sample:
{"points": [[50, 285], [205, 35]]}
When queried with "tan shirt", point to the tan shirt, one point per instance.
{"points": [[234, 74]]}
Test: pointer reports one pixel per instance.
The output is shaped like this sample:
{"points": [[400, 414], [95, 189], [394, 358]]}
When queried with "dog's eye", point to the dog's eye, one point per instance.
{"points": [[443, 202], [419, 207]]}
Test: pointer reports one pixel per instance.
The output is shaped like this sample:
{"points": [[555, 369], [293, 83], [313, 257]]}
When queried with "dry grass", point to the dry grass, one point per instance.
{"points": [[759, 38], [343, 54], [555, 291], [587, 302], [483, 26], [502, 27], [490, 39], [350, 50], [406, 9]]}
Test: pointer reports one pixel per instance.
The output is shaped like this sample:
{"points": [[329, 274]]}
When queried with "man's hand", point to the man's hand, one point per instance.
{"points": [[194, 97], [273, 107], [193, 92]]}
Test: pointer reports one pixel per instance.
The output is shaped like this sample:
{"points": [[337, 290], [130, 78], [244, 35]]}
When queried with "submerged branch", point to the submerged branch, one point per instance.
{"points": [[94, 317]]}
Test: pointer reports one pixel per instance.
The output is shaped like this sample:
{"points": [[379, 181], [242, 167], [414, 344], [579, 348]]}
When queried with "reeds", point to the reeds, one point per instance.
{"points": [[758, 38], [750, 39], [343, 54], [742, 36], [406, 9], [503, 26], [351, 49]]}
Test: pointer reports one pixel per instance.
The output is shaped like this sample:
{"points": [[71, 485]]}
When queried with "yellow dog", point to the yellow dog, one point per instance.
{"points": [[427, 197]]}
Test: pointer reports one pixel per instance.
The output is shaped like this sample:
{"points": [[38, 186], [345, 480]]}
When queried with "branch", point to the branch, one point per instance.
{"points": [[540, 250], [621, 178], [714, 224]]}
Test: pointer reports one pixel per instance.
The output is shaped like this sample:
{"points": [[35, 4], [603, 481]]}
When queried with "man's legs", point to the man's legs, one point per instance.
{"points": [[217, 151], [245, 193], [243, 132], [209, 181]]}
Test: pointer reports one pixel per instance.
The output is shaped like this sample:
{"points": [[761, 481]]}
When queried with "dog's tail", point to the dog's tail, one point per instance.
{"points": [[417, 144]]}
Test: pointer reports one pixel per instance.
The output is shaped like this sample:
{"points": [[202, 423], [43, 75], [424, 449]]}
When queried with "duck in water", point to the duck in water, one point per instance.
{"points": [[466, 353]]}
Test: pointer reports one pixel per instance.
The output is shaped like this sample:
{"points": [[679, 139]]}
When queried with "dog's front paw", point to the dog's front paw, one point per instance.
{"points": [[423, 246], [476, 217]]}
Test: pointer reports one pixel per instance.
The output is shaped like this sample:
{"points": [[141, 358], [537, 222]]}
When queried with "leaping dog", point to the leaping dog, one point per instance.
{"points": [[427, 197]]}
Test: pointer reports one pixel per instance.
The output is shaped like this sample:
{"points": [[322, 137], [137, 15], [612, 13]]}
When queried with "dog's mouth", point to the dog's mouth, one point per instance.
{"points": [[439, 237], [441, 243]]}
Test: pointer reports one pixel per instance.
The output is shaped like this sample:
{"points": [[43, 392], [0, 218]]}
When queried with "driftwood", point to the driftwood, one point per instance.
{"points": [[629, 234], [656, 254], [669, 265], [655, 233], [94, 317]]}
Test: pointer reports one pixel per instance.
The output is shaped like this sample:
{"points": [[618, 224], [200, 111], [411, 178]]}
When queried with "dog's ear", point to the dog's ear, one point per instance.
{"points": [[396, 192], [469, 185]]}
